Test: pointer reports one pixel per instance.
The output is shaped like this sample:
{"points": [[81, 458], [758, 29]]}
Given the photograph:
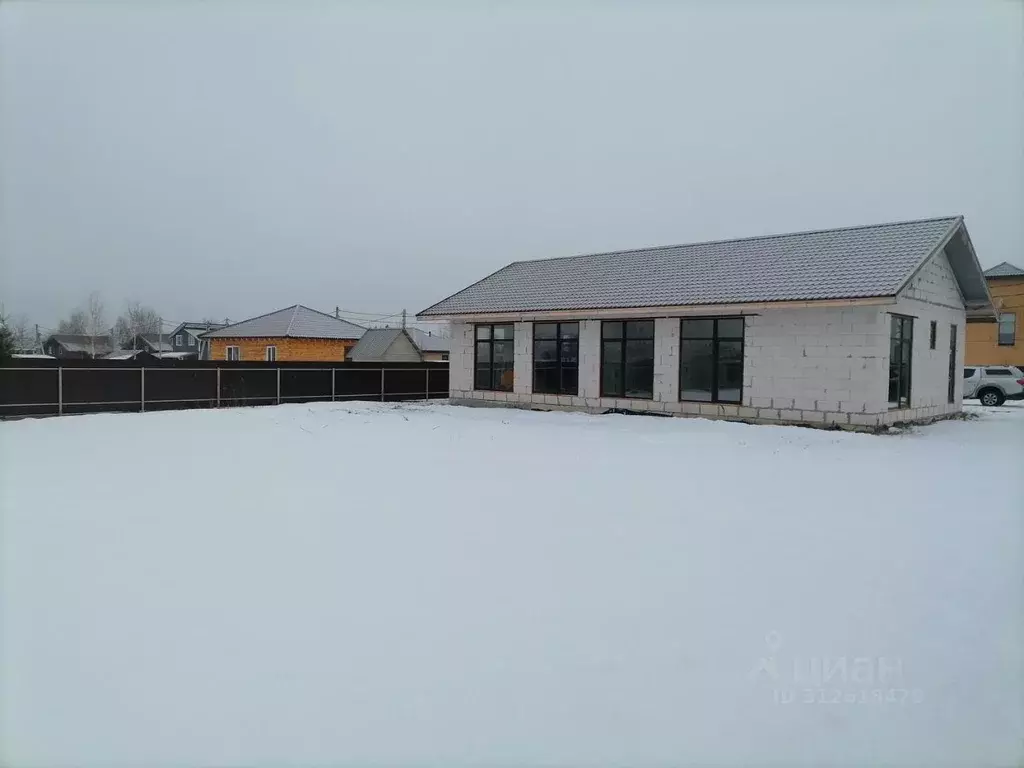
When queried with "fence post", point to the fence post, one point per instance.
{"points": [[279, 385], [333, 370], [142, 390], [60, 391], [218, 386], [426, 395], [382, 383]]}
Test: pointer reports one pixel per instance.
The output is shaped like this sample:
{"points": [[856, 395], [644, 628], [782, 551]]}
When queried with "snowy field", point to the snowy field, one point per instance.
{"points": [[372, 585]]}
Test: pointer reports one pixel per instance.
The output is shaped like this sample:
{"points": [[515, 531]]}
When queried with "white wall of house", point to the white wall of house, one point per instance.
{"points": [[817, 365], [933, 295]]}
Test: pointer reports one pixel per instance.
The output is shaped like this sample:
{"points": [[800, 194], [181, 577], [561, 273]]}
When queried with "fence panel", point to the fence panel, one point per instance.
{"points": [[357, 383], [29, 392], [115, 389], [253, 386], [176, 388], [304, 385], [49, 387]]}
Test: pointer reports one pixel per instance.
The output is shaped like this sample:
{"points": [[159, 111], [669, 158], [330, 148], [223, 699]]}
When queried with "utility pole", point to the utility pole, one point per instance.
{"points": [[403, 319], [337, 312], [39, 345]]}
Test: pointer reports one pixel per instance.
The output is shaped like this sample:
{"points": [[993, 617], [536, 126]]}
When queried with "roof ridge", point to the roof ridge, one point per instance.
{"points": [[291, 320], [328, 314], [255, 317], [749, 238]]}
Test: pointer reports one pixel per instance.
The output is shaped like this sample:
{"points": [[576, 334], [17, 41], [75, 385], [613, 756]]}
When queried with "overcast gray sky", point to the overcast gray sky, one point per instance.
{"points": [[229, 158]]}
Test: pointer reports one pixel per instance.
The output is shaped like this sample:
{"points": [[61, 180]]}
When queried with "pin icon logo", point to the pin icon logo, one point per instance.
{"points": [[767, 665]]}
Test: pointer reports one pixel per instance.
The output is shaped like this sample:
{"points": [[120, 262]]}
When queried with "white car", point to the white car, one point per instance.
{"points": [[993, 384]]}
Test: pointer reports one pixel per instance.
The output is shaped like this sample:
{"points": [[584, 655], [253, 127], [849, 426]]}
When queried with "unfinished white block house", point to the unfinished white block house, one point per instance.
{"points": [[856, 327]]}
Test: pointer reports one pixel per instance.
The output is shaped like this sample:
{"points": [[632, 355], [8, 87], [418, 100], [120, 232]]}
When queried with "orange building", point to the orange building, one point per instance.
{"points": [[1000, 343], [294, 334]]}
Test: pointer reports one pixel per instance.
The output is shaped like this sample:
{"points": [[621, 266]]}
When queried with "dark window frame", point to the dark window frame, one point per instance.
{"points": [[622, 356], [933, 332], [560, 365], [715, 340], [493, 386], [905, 321], [954, 382], [1013, 329]]}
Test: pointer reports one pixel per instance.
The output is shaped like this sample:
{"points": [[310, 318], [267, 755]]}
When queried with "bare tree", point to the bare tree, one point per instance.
{"points": [[75, 323], [137, 318], [95, 320], [20, 329]]}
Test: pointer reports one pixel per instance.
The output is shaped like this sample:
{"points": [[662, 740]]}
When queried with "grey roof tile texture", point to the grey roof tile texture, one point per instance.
{"points": [[296, 322], [1006, 269], [853, 262], [374, 343]]}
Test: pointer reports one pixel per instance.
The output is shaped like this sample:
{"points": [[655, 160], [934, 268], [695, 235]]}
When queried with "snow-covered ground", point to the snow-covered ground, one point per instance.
{"points": [[362, 584]]}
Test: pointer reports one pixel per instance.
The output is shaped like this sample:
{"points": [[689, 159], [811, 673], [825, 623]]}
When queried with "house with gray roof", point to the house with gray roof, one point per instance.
{"points": [[400, 345], [187, 338], [295, 333], [857, 327], [78, 346]]}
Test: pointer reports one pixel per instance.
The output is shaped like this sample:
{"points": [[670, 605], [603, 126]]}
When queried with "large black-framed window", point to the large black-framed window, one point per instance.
{"points": [[556, 358], [627, 358], [954, 382], [711, 359], [495, 356], [901, 352]]}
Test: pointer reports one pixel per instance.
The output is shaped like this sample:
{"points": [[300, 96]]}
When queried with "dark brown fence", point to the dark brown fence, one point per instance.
{"points": [[30, 387]]}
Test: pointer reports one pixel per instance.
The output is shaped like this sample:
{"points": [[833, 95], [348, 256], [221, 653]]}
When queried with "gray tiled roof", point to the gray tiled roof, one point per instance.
{"points": [[76, 342], [157, 343], [374, 343], [1006, 269], [297, 322], [429, 342], [853, 262]]}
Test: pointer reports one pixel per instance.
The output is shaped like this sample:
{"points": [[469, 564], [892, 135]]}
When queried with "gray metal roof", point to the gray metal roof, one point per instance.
{"points": [[429, 342], [157, 342], [76, 342], [854, 262], [374, 343], [296, 322], [1006, 269]]}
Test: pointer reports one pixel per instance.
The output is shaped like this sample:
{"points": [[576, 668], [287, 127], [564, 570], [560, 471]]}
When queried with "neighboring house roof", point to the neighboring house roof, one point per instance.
{"points": [[375, 343], [125, 354], [176, 355], [76, 342], [1006, 269], [196, 329], [32, 356], [157, 342], [296, 322], [854, 262], [429, 342]]}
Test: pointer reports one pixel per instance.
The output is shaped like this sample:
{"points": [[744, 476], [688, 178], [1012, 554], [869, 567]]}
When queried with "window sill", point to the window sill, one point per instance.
{"points": [[626, 397]]}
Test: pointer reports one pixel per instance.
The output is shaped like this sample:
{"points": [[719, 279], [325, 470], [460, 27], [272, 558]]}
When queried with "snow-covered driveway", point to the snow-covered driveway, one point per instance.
{"points": [[438, 586]]}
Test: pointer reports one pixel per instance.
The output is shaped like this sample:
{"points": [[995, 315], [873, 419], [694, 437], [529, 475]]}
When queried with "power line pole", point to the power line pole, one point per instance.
{"points": [[403, 319], [337, 311], [39, 346]]}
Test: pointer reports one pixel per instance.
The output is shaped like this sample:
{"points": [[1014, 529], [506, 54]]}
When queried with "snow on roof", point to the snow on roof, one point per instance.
{"points": [[33, 356]]}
